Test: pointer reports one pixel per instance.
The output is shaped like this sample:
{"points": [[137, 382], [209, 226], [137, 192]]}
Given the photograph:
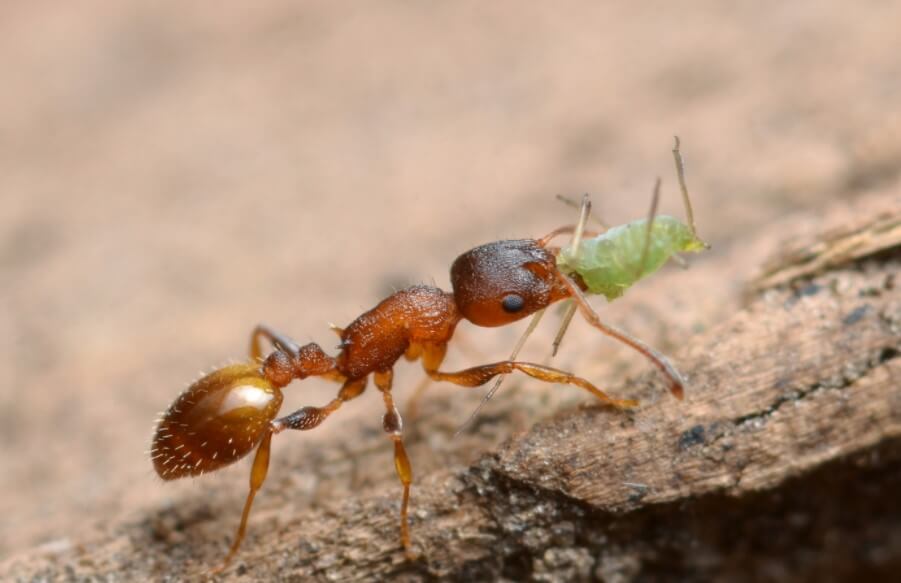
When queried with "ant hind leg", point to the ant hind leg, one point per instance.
{"points": [[257, 476], [393, 424]]}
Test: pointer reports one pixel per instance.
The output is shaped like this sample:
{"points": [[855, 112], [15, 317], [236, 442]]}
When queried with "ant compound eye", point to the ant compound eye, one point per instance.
{"points": [[513, 303]]}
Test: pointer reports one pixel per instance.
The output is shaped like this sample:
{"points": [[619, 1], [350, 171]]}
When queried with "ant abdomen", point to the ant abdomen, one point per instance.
{"points": [[215, 422]]}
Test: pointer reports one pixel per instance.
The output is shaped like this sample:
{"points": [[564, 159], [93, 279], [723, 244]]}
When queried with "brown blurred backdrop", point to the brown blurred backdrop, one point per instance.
{"points": [[172, 173]]}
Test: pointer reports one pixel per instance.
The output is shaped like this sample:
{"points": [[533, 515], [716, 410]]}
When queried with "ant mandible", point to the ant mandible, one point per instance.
{"points": [[223, 416]]}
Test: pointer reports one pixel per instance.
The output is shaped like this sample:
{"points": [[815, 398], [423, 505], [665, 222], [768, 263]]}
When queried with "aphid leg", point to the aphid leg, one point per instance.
{"points": [[571, 308], [479, 375], [677, 383], [584, 213], [280, 341], [257, 477], [680, 261], [652, 214], [307, 418], [393, 424]]}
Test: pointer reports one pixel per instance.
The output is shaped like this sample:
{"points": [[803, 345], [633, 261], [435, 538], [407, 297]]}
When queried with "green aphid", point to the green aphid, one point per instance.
{"points": [[614, 260]]}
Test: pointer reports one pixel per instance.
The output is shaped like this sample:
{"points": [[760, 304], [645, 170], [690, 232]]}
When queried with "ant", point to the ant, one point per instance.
{"points": [[224, 415]]}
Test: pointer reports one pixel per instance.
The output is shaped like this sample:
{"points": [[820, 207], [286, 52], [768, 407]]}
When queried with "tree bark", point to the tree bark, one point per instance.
{"points": [[783, 462]]}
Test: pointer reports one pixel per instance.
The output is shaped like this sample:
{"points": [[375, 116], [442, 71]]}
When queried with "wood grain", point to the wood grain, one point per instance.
{"points": [[784, 461]]}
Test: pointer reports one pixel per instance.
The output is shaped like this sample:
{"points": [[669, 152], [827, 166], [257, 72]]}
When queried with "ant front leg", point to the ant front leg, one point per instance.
{"points": [[479, 375], [393, 424]]}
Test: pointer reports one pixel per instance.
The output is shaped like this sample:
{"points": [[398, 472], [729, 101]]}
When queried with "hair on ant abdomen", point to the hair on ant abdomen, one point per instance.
{"points": [[228, 413]]}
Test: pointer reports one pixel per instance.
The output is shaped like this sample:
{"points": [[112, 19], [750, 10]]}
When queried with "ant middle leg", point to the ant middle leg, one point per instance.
{"points": [[393, 424], [307, 418], [479, 375]]}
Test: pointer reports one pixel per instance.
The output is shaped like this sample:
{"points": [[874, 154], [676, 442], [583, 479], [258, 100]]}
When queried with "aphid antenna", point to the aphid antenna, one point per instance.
{"points": [[680, 172]]}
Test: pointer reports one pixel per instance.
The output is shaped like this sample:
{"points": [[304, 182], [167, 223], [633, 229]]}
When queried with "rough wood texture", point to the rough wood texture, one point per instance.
{"points": [[783, 462]]}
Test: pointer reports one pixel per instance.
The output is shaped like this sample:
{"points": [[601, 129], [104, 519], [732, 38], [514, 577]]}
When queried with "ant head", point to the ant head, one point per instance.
{"points": [[504, 281]]}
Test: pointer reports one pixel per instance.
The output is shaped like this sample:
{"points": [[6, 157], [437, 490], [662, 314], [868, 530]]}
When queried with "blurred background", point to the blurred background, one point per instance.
{"points": [[172, 173]]}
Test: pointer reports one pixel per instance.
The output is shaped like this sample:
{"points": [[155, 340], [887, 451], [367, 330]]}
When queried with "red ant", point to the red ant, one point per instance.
{"points": [[226, 414]]}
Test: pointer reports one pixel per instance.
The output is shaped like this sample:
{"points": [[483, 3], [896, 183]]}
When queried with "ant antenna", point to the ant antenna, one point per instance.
{"points": [[680, 172], [655, 201]]}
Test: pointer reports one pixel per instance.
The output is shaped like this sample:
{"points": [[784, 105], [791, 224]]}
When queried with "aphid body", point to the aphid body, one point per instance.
{"points": [[617, 258]]}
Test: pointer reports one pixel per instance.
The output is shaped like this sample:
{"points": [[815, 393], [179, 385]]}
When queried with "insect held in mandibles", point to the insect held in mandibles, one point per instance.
{"points": [[232, 411]]}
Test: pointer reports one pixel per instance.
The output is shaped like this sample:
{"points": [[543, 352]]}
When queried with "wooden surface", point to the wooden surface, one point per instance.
{"points": [[172, 175], [786, 453]]}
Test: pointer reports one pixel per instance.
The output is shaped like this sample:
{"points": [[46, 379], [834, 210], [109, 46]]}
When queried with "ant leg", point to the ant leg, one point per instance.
{"points": [[413, 402], [307, 418], [413, 352], [257, 476], [432, 356], [394, 427], [497, 384], [479, 375], [677, 383], [280, 341]]}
